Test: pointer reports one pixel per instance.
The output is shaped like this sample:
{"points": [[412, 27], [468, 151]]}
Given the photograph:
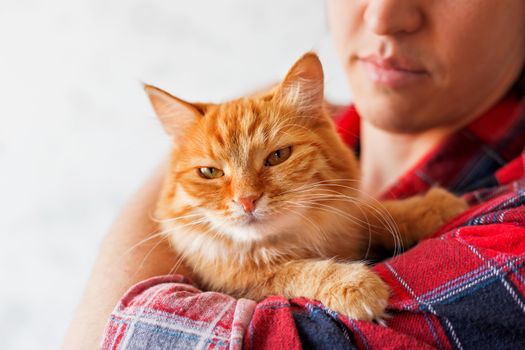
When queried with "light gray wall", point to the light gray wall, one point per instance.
{"points": [[77, 135]]}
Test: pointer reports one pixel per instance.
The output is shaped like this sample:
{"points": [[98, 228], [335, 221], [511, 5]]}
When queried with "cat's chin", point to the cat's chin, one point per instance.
{"points": [[248, 232], [254, 228], [248, 228], [250, 220], [245, 229]]}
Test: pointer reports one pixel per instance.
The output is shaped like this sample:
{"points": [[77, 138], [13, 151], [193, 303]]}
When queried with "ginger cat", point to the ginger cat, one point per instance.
{"points": [[262, 199]]}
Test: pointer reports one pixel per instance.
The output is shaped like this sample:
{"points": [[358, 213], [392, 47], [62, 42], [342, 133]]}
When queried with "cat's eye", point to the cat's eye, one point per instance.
{"points": [[279, 156], [210, 173]]}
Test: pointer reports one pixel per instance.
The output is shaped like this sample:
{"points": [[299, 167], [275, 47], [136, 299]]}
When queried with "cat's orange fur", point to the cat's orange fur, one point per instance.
{"points": [[310, 225]]}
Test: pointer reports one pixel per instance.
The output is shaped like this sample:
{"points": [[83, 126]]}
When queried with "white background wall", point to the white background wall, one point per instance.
{"points": [[77, 135]]}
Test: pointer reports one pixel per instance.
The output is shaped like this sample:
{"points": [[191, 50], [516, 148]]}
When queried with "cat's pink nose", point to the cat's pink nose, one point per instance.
{"points": [[248, 202]]}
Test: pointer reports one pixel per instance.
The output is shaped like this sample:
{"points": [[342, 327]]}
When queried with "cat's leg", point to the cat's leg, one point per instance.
{"points": [[415, 218], [348, 288]]}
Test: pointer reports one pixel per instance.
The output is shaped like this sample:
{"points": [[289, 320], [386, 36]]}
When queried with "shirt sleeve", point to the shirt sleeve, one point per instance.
{"points": [[168, 312]]}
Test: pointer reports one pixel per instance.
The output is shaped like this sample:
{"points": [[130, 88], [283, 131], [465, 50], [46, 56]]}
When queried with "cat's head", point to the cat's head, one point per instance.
{"points": [[252, 167]]}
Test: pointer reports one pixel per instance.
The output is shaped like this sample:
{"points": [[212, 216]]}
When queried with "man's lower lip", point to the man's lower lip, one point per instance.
{"points": [[391, 77]]}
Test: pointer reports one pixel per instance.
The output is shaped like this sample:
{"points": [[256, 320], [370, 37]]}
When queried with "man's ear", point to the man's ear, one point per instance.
{"points": [[175, 115], [303, 86]]}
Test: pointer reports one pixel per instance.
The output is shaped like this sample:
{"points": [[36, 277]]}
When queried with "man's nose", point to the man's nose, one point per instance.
{"points": [[389, 17]]}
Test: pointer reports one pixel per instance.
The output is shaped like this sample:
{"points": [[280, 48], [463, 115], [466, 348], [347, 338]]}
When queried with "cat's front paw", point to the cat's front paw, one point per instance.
{"points": [[355, 291], [447, 204]]}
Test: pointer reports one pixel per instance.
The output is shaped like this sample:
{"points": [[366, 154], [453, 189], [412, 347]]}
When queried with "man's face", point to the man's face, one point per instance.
{"points": [[414, 65]]}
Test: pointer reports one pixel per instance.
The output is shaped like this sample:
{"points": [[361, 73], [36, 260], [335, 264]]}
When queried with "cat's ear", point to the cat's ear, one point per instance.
{"points": [[176, 115], [303, 85]]}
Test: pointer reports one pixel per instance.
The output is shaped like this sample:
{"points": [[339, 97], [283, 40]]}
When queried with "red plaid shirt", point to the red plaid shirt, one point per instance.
{"points": [[463, 288]]}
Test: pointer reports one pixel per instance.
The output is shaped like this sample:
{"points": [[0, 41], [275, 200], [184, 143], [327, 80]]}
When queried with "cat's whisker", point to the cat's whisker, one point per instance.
{"points": [[182, 257], [391, 227], [388, 221], [150, 237], [383, 215], [363, 224], [335, 180], [161, 233], [322, 233], [314, 206], [296, 189], [166, 236], [141, 265], [328, 208], [329, 194], [382, 212], [179, 261], [177, 218], [339, 196], [177, 264], [309, 220], [314, 185], [332, 180], [322, 186]]}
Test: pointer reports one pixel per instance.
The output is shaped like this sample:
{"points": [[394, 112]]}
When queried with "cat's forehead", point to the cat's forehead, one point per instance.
{"points": [[239, 130], [243, 120], [245, 110]]}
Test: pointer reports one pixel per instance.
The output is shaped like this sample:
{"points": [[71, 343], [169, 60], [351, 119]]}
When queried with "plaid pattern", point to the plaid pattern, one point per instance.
{"points": [[463, 288], [155, 312]]}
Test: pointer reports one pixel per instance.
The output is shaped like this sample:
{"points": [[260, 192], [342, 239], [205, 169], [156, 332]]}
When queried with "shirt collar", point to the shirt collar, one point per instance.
{"points": [[466, 160]]}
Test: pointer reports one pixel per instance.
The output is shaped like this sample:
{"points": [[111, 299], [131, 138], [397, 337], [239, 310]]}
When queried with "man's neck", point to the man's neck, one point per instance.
{"points": [[386, 156]]}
